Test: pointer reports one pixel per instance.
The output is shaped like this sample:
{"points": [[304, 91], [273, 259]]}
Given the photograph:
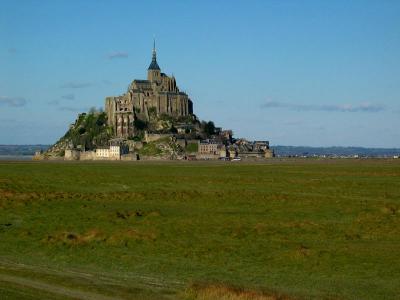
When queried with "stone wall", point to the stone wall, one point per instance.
{"points": [[110, 107], [88, 155], [129, 157], [72, 154], [269, 153], [201, 156], [151, 137]]}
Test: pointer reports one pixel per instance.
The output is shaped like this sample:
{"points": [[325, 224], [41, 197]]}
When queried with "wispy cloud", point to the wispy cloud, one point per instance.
{"points": [[73, 109], [53, 102], [63, 97], [114, 55], [12, 50], [12, 101], [8, 120], [76, 85], [106, 82], [364, 107], [68, 97], [293, 123]]}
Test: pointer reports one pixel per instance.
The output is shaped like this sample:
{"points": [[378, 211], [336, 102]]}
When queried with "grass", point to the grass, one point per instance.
{"points": [[282, 230], [192, 147], [150, 149], [226, 292]]}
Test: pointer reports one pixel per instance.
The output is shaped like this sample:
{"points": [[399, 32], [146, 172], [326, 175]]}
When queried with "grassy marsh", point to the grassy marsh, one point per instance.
{"points": [[303, 229]]}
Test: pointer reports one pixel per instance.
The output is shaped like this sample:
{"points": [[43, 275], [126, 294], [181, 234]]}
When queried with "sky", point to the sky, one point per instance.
{"points": [[311, 73]]}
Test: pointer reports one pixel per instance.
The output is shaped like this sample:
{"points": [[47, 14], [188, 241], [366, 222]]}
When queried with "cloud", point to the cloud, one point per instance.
{"points": [[69, 108], [293, 123], [106, 82], [364, 107], [12, 101], [322, 128], [73, 109], [53, 102], [118, 55], [68, 97], [63, 97], [76, 85]]}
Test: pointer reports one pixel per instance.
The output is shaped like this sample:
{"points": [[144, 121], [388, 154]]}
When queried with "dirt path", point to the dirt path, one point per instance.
{"points": [[99, 277], [33, 277], [54, 289]]}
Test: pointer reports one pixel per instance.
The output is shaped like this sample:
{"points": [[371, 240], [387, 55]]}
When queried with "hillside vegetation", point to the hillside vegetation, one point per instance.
{"points": [[89, 131], [282, 230]]}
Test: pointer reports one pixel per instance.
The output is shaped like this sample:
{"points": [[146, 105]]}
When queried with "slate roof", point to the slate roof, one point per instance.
{"points": [[154, 64]]}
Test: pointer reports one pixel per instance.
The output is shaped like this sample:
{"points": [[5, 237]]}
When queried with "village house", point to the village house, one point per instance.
{"points": [[113, 152], [208, 147]]}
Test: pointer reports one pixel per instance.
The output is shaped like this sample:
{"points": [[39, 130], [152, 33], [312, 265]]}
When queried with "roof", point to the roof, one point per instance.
{"points": [[141, 85], [154, 64], [209, 142]]}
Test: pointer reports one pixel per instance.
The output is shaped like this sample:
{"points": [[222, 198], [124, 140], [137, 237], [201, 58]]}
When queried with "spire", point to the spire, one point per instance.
{"points": [[153, 64]]}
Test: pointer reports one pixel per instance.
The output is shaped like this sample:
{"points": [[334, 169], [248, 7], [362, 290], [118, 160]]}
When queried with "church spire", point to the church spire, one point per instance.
{"points": [[154, 64]]}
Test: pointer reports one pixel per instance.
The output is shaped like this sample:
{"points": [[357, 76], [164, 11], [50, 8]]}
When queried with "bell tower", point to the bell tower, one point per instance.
{"points": [[153, 72]]}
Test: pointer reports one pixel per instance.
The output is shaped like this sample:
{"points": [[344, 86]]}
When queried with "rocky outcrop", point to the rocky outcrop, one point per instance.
{"points": [[89, 131]]}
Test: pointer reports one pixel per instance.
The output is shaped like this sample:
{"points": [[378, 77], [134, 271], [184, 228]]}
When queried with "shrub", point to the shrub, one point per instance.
{"points": [[140, 124]]}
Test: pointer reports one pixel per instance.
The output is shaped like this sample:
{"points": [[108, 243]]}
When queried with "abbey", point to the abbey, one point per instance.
{"points": [[158, 94]]}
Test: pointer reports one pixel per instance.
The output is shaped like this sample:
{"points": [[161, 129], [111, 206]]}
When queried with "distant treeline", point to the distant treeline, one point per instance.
{"points": [[21, 149], [334, 151]]}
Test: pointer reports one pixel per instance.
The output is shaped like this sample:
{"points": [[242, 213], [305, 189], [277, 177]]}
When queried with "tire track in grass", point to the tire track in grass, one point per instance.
{"points": [[144, 283], [54, 289]]}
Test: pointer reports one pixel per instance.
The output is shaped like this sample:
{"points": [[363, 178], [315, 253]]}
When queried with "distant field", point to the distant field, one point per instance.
{"points": [[301, 229]]}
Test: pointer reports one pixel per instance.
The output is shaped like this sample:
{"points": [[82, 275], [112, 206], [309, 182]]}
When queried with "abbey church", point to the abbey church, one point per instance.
{"points": [[158, 94]]}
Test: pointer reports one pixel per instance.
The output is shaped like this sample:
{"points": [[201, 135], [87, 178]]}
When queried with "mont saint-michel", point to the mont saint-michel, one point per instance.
{"points": [[153, 119]]}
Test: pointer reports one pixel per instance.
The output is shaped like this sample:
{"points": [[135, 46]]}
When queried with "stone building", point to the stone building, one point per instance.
{"points": [[208, 147], [112, 152], [159, 94]]}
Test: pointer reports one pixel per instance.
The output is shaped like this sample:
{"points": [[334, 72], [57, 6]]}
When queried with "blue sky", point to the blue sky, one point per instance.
{"points": [[316, 73]]}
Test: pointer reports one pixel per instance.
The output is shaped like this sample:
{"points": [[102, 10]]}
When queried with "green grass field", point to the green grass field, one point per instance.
{"points": [[291, 229]]}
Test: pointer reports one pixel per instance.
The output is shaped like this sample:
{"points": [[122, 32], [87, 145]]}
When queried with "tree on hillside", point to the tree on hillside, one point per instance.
{"points": [[139, 124], [209, 128]]}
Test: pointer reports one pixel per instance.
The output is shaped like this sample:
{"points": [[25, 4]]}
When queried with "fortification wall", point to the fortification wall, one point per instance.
{"points": [[72, 154], [151, 137], [88, 155], [129, 157], [207, 156], [110, 107]]}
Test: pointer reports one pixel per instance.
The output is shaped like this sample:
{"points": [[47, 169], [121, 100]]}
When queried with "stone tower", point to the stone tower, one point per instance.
{"points": [[154, 72]]}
